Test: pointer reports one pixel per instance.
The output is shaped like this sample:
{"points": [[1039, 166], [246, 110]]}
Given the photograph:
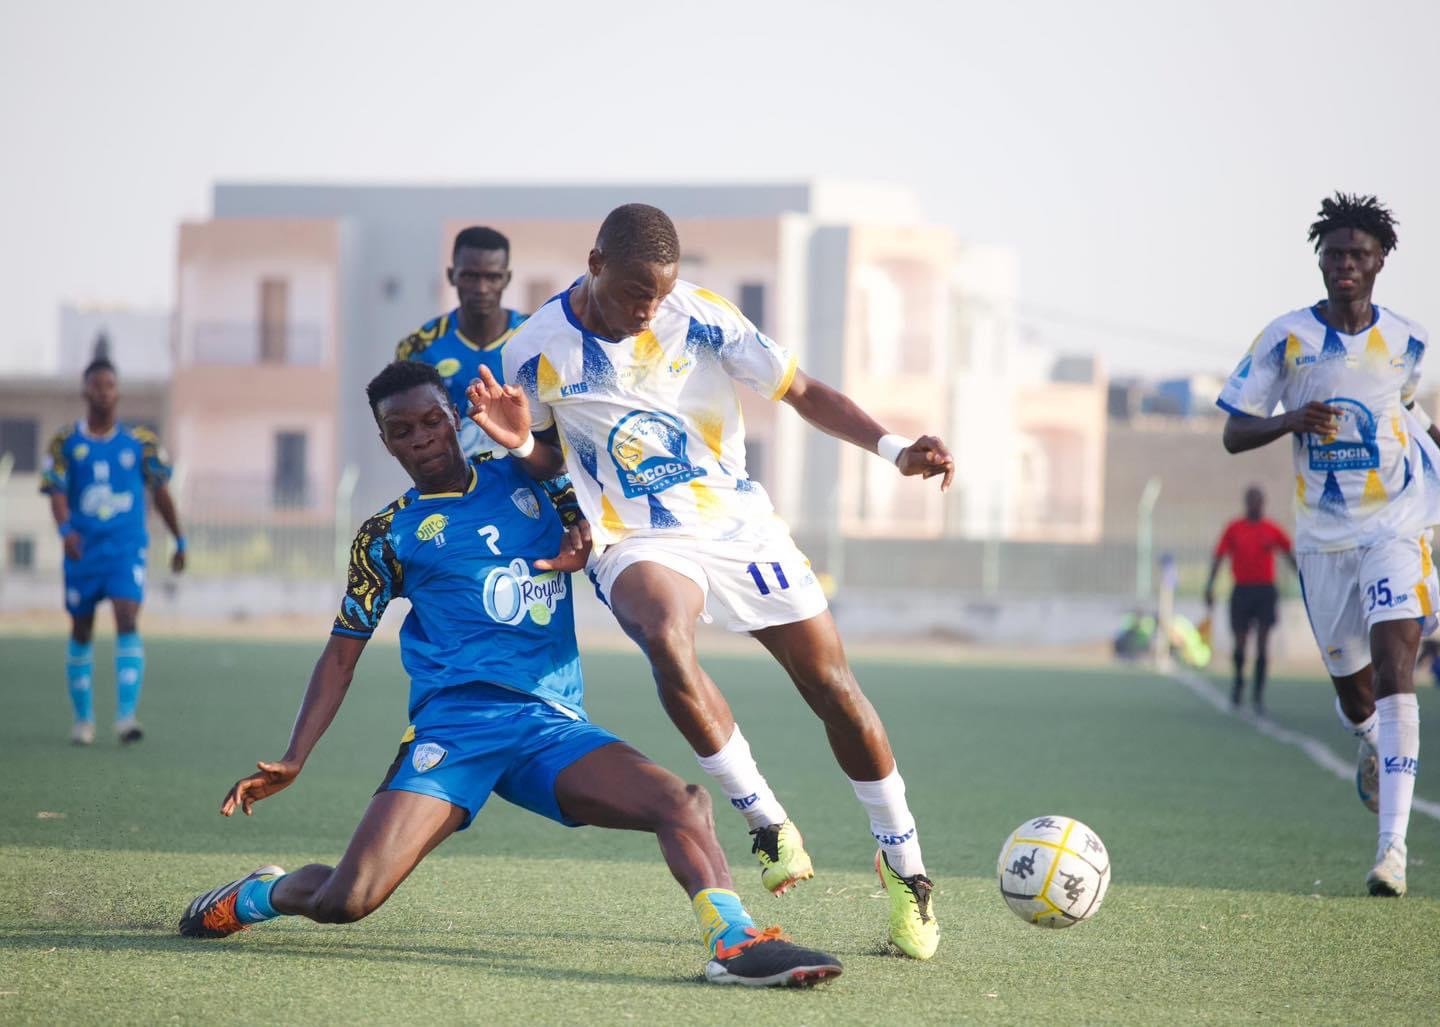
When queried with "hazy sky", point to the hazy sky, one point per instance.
{"points": [[1155, 164]]}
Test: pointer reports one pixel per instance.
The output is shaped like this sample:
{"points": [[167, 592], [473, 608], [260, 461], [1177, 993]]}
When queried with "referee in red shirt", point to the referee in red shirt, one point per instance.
{"points": [[1250, 542]]}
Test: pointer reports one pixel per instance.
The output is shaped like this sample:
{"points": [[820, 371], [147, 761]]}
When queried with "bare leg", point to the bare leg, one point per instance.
{"points": [[398, 830], [617, 787], [812, 654], [657, 607]]}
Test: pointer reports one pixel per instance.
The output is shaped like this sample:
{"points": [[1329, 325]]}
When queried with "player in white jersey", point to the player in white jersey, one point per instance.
{"points": [[1367, 491], [632, 374]]}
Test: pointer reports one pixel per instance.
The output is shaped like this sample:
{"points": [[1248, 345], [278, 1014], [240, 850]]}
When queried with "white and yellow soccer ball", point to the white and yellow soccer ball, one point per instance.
{"points": [[1054, 871]]}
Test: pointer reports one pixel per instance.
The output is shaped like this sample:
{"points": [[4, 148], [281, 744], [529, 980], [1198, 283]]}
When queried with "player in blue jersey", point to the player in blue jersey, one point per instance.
{"points": [[472, 335], [495, 701], [97, 473]]}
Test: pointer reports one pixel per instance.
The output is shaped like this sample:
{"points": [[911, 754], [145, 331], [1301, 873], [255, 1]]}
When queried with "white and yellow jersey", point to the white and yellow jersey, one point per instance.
{"points": [[651, 424], [1376, 478]]}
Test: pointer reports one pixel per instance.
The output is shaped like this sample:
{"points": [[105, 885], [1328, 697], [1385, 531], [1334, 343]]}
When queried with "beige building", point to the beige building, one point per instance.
{"points": [[291, 297]]}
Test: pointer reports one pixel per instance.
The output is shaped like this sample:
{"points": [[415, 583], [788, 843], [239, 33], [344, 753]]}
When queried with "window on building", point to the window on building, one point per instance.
{"points": [[20, 437], [290, 485], [537, 292], [22, 553], [752, 303], [274, 319]]}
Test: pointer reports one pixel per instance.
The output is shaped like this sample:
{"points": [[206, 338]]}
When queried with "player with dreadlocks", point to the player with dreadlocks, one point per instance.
{"points": [[1367, 490]]}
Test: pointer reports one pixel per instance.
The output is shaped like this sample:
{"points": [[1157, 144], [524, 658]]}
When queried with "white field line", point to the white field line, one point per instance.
{"points": [[1317, 750]]}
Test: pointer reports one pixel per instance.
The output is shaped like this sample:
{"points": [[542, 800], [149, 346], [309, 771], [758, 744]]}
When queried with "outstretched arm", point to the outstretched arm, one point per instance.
{"points": [[1244, 433], [329, 682], [837, 414]]}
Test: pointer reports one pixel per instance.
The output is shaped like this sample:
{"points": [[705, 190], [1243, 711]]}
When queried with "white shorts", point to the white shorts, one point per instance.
{"points": [[1348, 592], [756, 581]]}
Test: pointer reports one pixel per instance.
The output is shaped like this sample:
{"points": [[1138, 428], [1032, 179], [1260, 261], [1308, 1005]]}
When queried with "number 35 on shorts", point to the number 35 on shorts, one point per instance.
{"points": [[1379, 593]]}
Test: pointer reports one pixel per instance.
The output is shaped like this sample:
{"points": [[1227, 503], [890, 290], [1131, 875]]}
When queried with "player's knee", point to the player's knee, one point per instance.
{"points": [[665, 638], [687, 806]]}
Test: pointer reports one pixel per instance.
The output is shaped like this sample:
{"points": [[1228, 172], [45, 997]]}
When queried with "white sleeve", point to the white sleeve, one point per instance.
{"points": [[531, 375], [750, 356], [1255, 386]]}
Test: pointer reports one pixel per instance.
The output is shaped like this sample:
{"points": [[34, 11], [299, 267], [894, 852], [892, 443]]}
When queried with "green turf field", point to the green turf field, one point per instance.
{"points": [[1238, 864]]}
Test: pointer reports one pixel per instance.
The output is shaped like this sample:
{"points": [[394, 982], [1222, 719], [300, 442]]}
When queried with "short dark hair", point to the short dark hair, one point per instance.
{"points": [[477, 237], [401, 376], [98, 364], [638, 233], [1351, 210]]}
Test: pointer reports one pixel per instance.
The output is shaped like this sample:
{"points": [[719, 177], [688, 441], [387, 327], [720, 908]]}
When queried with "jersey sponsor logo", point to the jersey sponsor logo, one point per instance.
{"points": [[431, 526], [574, 390], [526, 503], [1352, 447], [427, 756], [102, 503], [681, 364], [511, 593], [648, 450], [448, 368]]}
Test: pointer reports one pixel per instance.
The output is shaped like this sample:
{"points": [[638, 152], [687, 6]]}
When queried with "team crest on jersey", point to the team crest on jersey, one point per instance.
{"points": [[648, 450], [81, 451], [127, 459], [431, 526], [511, 592], [681, 364], [448, 368], [1353, 446], [526, 503], [427, 756]]}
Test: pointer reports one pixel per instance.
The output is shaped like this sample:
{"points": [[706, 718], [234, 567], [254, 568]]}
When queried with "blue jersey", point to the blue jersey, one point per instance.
{"points": [[104, 479], [440, 344], [479, 611]]}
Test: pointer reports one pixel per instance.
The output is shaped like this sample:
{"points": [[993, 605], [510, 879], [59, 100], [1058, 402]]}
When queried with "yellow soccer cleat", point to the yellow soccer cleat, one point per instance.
{"points": [[783, 859], [913, 928]]}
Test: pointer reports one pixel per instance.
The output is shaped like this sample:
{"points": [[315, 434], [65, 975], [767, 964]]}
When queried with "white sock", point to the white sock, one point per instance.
{"points": [[1368, 730], [891, 822], [734, 770], [1399, 759]]}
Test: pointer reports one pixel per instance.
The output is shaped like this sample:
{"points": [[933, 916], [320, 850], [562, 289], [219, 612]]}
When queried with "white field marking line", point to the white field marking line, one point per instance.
{"points": [[1317, 750]]}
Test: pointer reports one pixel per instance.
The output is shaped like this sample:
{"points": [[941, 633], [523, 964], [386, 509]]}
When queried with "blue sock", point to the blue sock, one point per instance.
{"points": [[79, 669], [129, 674], [722, 917], [252, 901]]}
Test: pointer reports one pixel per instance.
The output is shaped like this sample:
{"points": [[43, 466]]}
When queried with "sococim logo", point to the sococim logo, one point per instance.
{"points": [[431, 526], [510, 593], [448, 368]]}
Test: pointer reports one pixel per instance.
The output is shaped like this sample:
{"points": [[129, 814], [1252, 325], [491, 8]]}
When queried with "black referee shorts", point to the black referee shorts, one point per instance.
{"points": [[1252, 605]]}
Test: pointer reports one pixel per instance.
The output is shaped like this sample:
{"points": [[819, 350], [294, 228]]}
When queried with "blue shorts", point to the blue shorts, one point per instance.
{"points": [[108, 576], [494, 740]]}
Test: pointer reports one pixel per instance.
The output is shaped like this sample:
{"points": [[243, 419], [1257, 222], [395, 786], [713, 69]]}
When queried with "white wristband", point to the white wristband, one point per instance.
{"points": [[525, 448], [891, 446], [1420, 415]]}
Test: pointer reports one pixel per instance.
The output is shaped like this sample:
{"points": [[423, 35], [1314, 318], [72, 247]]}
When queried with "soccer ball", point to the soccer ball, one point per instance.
{"points": [[1053, 871]]}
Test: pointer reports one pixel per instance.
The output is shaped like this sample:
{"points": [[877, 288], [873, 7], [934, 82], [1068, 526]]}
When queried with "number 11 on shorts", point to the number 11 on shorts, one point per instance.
{"points": [[759, 577]]}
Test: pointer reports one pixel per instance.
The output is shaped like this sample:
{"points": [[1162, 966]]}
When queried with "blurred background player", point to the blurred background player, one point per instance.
{"points": [[1366, 495], [1251, 543], [457, 344], [636, 370], [496, 701], [97, 473]]}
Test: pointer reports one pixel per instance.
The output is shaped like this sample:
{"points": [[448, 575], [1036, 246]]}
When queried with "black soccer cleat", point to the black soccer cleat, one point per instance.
{"points": [[770, 960], [212, 915]]}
